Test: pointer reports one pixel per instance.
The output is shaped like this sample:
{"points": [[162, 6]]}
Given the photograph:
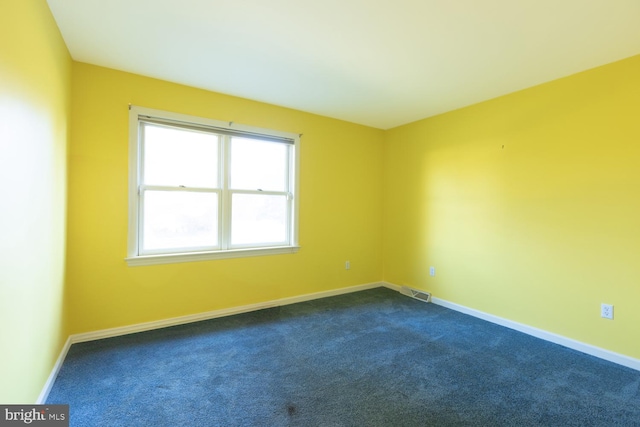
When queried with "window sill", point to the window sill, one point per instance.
{"points": [[205, 256]]}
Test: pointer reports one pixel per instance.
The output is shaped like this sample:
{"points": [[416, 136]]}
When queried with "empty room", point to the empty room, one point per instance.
{"points": [[320, 213]]}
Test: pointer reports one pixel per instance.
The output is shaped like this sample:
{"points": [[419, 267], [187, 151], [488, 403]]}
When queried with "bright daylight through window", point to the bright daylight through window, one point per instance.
{"points": [[204, 189]]}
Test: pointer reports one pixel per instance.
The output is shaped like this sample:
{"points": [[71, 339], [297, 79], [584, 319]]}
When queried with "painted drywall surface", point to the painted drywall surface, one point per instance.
{"points": [[35, 72], [527, 205], [340, 208]]}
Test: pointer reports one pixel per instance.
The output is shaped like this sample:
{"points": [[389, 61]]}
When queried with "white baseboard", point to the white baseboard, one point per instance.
{"points": [[54, 373], [174, 321], [592, 350], [181, 320], [392, 286]]}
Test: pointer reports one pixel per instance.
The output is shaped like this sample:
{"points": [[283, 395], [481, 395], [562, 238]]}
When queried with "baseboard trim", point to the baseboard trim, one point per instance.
{"points": [[589, 349], [592, 350], [175, 321], [392, 286], [181, 320], [54, 373]]}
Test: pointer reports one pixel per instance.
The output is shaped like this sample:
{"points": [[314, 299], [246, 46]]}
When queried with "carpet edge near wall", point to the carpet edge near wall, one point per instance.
{"points": [[183, 320], [589, 349]]}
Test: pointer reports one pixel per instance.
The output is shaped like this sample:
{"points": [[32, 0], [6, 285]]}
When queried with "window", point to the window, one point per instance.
{"points": [[203, 189]]}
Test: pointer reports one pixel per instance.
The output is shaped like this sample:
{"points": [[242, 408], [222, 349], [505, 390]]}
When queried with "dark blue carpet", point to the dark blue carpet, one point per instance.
{"points": [[371, 358]]}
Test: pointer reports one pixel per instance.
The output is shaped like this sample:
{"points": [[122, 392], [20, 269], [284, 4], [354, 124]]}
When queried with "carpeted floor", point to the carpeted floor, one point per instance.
{"points": [[371, 358]]}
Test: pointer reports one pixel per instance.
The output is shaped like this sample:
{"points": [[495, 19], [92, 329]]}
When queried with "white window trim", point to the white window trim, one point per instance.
{"points": [[134, 258]]}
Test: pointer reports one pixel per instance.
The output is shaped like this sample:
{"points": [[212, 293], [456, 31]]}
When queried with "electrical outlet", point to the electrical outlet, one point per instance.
{"points": [[606, 311], [347, 265], [432, 271]]}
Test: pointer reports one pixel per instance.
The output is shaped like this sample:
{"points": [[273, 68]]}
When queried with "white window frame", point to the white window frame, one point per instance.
{"points": [[135, 257]]}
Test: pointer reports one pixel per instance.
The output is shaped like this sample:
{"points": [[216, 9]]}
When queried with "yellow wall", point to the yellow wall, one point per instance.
{"points": [[340, 208], [526, 204], [541, 231], [35, 71]]}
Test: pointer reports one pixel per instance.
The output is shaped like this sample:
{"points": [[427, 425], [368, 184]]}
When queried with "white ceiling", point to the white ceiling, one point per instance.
{"points": [[380, 63]]}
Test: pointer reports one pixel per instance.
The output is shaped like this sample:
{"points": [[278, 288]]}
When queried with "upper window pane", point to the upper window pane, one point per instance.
{"points": [[258, 165], [175, 157]]}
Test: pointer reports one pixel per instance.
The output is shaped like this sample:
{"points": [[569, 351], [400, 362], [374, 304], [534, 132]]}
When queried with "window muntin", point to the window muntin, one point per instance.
{"points": [[203, 189], [258, 165]]}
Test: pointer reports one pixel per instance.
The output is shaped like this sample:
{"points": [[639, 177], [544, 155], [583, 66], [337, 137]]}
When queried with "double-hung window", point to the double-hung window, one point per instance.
{"points": [[204, 189]]}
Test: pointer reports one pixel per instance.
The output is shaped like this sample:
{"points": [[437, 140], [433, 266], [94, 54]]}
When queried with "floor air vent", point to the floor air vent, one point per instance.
{"points": [[414, 293]]}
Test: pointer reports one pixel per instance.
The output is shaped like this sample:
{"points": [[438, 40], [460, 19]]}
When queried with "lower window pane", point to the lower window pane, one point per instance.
{"points": [[174, 220], [258, 219]]}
